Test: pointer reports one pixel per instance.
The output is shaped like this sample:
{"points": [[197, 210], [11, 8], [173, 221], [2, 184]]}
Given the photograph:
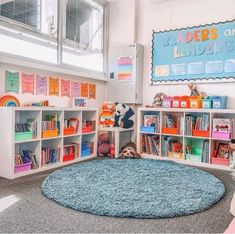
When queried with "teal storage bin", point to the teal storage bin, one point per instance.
{"points": [[207, 103], [196, 155], [219, 102], [23, 136]]}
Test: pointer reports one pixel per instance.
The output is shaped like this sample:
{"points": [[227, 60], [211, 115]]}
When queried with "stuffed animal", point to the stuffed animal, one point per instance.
{"points": [[124, 116], [112, 151], [107, 117], [158, 99], [129, 151], [104, 145], [195, 92]]}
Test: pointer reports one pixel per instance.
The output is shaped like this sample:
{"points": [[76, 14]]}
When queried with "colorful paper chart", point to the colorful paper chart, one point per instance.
{"points": [[125, 67], [92, 91], [53, 86], [27, 83], [75, 89], [9, 101], [41, 85], [84, 90], [11, 81], [65, 88]]}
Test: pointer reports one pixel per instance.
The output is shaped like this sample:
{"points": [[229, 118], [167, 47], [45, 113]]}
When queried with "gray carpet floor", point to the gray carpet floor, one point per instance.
{"points": [[35, 213]]}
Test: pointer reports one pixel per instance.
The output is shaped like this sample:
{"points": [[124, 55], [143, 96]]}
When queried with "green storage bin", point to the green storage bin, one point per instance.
{"points": [[196, 155], [23, 136]]}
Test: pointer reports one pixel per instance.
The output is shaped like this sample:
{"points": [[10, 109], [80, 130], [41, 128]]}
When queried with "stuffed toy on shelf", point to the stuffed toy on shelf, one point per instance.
{"points": [[107, 117]]}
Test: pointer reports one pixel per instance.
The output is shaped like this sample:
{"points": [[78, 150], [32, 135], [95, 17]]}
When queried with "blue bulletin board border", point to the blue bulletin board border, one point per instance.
{"points": [[183, 78]]}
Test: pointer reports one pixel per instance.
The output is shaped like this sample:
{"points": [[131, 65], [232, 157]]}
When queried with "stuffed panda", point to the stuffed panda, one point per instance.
{"points": [[124, 116]]}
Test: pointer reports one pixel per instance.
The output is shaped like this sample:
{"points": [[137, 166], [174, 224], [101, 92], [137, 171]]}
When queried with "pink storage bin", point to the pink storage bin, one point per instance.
{"points": [[221, 135], [220, 161], [167, 102], [23, 167]]}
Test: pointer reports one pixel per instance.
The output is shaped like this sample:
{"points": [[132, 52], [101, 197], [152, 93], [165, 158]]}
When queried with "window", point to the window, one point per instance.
{"points": [[34, 25]]}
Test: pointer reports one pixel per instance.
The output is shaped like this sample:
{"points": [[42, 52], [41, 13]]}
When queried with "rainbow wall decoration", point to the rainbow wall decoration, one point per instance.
{"points": [[9, 101]]}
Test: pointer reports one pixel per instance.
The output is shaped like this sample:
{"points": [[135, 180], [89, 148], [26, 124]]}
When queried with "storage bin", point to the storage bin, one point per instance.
{"points": [[67, 158], [69, 131], [23, 136], [195, 102], [87, 129], [176, 102], [221, 135], [175, 155], [172, 131], [195, 156], [167, 102], [86, 151], [184, 102], [200, 133], [23, 167], [50, 133], [220, 161], [207, 103], [147, 129], [219, 102]]}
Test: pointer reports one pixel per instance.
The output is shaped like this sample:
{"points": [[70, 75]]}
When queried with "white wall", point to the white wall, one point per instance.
{"points": [[167, 15], [53, 100]]}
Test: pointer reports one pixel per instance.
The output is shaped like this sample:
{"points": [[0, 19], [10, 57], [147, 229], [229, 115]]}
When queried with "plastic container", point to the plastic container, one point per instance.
{"points": [[176, 102], [199, 133], [195, 102], [69, 131], [67, 158], [172, 131], [175, 155], [207, 103], [23, 167], [167, 102], [86, 151], [87, 129], [221, 135], [195, 156], [219, 102], [23, 136], [184, 102], [147, 129], [220, 161], [50, 133]]}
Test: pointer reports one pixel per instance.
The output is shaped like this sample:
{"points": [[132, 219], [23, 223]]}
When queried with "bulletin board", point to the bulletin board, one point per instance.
{"points": [[194, 54]]}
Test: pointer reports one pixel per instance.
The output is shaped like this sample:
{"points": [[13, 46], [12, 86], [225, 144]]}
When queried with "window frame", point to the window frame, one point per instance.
{"points": [[31, 34]]}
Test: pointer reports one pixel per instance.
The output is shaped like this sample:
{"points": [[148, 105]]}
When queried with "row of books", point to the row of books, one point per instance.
{"points": [[152, 121], [72, 149], [50, 125], [200, 123], [171, 144], [50, 155], [150, 144], [71, 123], [205, 151], [173, 121], [27, 156], [29, 126]]}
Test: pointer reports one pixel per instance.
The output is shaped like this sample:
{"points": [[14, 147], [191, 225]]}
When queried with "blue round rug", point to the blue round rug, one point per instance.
{"points": [[133, 188]]}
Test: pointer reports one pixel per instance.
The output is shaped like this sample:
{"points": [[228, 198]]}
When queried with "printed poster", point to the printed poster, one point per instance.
{"points": [[75, 89], [41, 85], [125, 69], [92, 91], [65, 88], [27, 83], [84, 90], [11, 82], [53, 86]]}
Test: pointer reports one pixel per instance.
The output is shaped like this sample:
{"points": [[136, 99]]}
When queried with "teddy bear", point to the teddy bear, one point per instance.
{"points": [[124, 116], [106, 118], [104, 145]]}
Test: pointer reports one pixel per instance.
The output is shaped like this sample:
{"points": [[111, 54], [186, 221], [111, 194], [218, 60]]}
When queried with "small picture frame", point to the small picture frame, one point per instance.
{"points": [[79, 102]]}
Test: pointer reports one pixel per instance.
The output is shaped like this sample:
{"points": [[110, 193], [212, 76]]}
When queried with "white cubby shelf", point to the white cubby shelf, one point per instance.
{"points": [[181, 137], [9, 146]]}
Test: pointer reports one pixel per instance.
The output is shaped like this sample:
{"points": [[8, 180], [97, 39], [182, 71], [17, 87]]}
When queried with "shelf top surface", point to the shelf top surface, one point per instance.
{"points": [[115, 129], [31, 108]]}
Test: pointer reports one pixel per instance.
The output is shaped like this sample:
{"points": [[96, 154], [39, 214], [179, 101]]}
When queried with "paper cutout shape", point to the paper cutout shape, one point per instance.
{"points": [[229, 65], [11, 82], [197, 68], [162, 70], [178, 69], [65, 88], [214, 67], [53, 86], [92, 91], [41, 85], [27, 83], [9, 100], [84, 90]]}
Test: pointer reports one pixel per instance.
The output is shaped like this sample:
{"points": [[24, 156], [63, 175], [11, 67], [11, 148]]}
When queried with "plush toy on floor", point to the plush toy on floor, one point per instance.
{"points": [[124, 116], [104, 146], [129, 151]]}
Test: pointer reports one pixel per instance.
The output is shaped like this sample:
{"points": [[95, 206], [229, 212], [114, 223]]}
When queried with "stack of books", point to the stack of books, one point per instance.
{"points": [[71, 123], [50, 155]]}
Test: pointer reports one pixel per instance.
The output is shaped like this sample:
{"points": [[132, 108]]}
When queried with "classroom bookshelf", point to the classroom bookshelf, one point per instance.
{"points": [[37, 139], [174, 137]]}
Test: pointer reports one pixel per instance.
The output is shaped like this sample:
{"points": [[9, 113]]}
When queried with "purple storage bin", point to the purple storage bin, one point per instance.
{"points": [[221, 135], [23, 167]]}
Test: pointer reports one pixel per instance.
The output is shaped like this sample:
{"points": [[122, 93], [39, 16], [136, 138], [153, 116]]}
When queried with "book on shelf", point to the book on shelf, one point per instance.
{"points": [[223, 151], [29, 126], [205, 151], [152, 121], [173, 121], [150, 144], [200, 123], [170, 144], [71, 123], [50, 155], [72, 149]]}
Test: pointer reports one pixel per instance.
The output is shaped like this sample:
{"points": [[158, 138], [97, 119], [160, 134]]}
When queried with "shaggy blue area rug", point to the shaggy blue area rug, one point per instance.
{"points": [[133, 188]]}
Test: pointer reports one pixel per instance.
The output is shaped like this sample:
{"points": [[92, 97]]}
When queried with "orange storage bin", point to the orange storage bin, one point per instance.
{"points": [[195, 102], [220, 161], [50, 133], [199, 133], [175, 155], [69, 131], [87, 129], [172, 131], [184, 102], [176, 102]]}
